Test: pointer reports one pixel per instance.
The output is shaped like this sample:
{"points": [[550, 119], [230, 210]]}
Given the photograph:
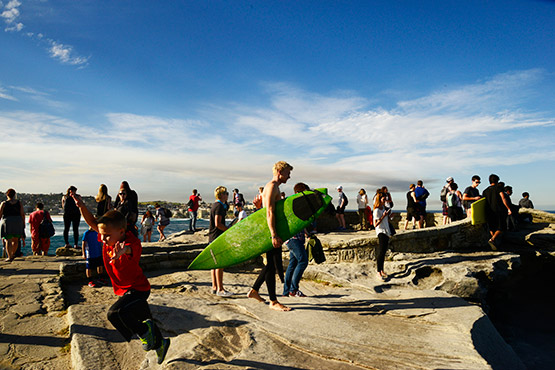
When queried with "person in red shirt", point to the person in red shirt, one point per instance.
{"points": [[121, 252], [193, 203], [39, 245]]}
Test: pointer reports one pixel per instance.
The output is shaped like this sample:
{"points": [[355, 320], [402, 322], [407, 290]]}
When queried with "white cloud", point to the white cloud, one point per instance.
{"points": [[65, 54], [10, 15]]}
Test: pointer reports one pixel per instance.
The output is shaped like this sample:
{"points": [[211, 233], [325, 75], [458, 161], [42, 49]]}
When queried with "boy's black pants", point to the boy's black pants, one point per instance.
{"points": [[129, 312]]}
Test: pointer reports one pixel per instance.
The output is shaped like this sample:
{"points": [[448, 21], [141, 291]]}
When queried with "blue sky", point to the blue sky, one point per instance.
{"points": [[183, 94]]}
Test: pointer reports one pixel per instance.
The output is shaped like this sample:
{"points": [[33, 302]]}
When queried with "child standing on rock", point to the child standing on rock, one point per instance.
{"points": [[92, 253], [121, 252]]}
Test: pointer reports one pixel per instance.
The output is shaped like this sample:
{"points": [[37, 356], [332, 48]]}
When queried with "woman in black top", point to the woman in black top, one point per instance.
{"points": [[12, 223], [72, 216], [103, 201]]}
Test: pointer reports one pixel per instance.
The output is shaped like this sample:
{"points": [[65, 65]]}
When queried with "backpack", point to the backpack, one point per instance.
{"points": [[46, 228], [315, 250], [452, 200], [190, 204], [167, 213], [443, 194]]}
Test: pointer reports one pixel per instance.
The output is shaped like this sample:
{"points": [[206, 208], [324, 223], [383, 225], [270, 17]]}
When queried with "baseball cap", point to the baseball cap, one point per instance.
{"points": [[340, 187], [449, 179]]}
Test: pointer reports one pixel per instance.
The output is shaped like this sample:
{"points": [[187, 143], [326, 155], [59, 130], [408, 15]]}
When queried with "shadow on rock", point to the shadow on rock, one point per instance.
{"points": [[33, 339], [380, 307], [103, 334], [177, 321], [237, 362], [491, 346]]}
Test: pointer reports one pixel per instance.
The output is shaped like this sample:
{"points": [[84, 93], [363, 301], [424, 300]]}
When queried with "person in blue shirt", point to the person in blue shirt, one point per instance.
{"points": [[421, 193], [92, 253]]}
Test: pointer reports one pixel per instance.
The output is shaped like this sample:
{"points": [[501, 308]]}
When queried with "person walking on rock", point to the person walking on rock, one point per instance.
{"points": [[271, 194], [497, 210], [298, 257]]}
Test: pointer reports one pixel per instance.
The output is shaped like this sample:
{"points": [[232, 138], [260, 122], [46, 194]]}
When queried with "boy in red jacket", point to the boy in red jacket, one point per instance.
{"points": [[121, 252]]}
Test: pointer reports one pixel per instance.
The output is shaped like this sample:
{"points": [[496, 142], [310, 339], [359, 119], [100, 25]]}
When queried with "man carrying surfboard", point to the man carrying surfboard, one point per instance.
{"points": [[270, 195]]}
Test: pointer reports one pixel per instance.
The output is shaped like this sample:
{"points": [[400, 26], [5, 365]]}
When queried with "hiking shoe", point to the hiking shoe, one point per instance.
{"points": [[149, 340], [162, 350], [224, 293], [92, 284]]}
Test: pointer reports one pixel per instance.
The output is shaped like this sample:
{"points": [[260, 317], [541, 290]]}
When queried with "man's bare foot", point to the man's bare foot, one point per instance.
{"points": [[275, 305], [254, 294]]}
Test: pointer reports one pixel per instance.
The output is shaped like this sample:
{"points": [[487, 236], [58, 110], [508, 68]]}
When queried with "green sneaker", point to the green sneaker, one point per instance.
{"points": [[149, 340], [162, 350]]}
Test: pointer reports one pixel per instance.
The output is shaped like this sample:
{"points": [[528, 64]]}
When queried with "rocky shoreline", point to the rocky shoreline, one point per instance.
{"points": [[415, 320]]}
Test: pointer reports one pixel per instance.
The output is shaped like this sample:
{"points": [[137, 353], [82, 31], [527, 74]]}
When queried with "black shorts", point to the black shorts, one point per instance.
{"points": [[340, 210], [93, 263], [496, 221], [412, 213]]}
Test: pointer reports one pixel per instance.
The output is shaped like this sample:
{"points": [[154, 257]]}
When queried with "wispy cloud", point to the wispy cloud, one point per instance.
{"points": [[66, 54], [5, 95], [23, 94], [57, 50]]}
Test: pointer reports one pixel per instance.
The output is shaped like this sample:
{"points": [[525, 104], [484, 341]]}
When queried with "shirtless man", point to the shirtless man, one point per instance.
{"points": [[270, 196]]}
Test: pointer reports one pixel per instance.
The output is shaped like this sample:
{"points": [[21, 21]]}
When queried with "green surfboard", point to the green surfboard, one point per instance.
{"points": [[251, 237], [478, 211]]}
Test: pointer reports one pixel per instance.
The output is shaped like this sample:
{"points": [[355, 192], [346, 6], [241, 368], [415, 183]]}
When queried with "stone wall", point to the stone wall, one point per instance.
{"points": [[458, 236]]}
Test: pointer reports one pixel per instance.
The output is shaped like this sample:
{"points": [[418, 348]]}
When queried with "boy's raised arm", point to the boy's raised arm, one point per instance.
{"points": [[87, 215]]}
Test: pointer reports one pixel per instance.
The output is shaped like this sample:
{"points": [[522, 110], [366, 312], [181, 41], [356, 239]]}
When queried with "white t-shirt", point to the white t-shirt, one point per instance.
{"points": [[383, 227], [241, 215], [362, 201]]}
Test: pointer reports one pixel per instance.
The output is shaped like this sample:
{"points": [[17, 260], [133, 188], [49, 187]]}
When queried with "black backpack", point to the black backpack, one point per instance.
{"points": [[315, 250], [167, 213], [46, 228]]}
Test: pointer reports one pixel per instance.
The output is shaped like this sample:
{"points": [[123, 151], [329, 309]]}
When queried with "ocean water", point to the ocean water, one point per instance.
{"points": [[57, 241]]}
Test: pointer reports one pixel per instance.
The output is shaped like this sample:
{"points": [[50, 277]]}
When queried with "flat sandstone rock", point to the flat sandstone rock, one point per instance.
{"points": [[339, 327]]}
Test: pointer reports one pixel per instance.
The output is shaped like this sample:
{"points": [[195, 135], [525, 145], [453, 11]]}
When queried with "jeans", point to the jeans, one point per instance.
{"points": [[193, 220], [298, 261]]}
